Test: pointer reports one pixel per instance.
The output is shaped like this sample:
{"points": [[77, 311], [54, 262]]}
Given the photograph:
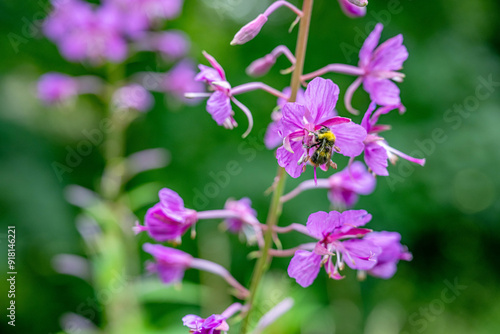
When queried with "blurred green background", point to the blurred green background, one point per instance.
{"points": [[447, 212]]}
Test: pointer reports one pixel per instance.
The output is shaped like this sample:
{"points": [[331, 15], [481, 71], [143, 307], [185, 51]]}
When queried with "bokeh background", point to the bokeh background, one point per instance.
{"points": [[447, 212]]}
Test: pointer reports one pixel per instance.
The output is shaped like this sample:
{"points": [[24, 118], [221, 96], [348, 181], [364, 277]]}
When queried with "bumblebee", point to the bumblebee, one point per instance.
{"points": [[324, 143]]}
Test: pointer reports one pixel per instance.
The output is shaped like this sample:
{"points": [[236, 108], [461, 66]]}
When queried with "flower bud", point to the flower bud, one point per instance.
{"points": [[261, 66], [352, 10], [249, 31]]}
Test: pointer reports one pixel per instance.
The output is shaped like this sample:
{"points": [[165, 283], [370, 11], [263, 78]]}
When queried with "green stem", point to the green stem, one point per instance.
{"points": [[116, 264], [275, 209]]}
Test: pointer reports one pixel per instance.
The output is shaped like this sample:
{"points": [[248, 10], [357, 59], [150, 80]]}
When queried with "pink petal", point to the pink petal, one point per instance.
{"points": [[215, 65], [369, 45], [390, 55], [304, 267], [333, 121], [383, 92], [289, 160], [376, 158], [219, 106], [322, 222], [292, 118], [349, 138], [321, 97]]}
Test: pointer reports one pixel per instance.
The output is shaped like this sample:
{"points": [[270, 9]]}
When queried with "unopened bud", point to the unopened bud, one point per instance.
{"points": [[352, 10], [249, 31], [261, 66]]}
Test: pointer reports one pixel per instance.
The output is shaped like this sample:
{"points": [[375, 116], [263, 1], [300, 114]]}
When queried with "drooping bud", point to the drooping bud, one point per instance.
{"points": [[352, 10], [249, 31], [261, 66]]}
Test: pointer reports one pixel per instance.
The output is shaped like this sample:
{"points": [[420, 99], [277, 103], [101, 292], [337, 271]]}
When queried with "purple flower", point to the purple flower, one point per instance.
{"points": [[380, 65], [181, 80], [272, 138], [330, 229], [219, 103], [301, 122], [346, 185], [56, 87], [377, 150], [82, 33], [170, 263], [352, 10], [392, 252], [168, 220], [243, 214], [133, 96], [214, 324], [173, 44]]}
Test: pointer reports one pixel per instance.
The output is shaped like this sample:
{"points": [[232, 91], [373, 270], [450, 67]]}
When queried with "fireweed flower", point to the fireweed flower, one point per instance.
{"points": [[344, 187], [133, 96], [300, 122], [272, 138], [172, 44], [219, 102], [170, 265], [242, 209], [214, 324], [376, 68], [56, 87], [392, 252], [83, 33], [168, 220], [252, 29], [352, 10], [377, 150], [332, 229]]}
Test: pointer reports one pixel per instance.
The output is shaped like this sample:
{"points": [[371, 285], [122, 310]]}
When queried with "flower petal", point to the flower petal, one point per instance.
{"points": [[292, 118], [369, 45], [321, 97], [215, 65], [383, 92], [390, 55], [289, 160], [360, 254], [219, 106], [304, 267], [349, 138], [376, 159], [321, 223]]}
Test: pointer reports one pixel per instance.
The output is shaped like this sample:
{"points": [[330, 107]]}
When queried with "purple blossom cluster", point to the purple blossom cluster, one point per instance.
{"points": [[112, 32], [306, 130]]}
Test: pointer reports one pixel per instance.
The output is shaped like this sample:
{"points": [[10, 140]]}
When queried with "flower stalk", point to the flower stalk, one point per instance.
{"points": [[276, 205]]}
